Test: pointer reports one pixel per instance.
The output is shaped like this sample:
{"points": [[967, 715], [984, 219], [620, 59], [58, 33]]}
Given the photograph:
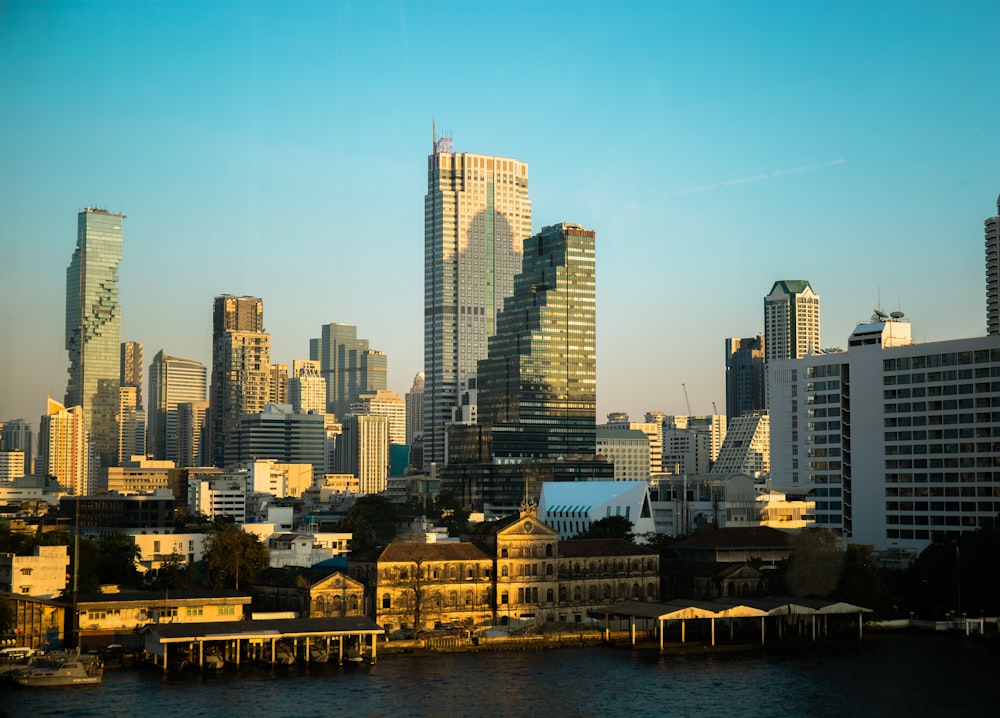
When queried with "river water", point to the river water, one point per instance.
{"points": [[897, 674]]}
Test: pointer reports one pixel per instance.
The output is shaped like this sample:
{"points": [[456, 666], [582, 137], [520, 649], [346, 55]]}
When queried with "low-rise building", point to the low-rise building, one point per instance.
{"points": [[308, 592], [116, 617], [41, 574], [423, 585]]}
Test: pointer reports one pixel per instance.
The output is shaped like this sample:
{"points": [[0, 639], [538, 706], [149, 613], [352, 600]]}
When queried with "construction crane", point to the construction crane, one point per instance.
{"points": [[715, 409], [687, 402]]}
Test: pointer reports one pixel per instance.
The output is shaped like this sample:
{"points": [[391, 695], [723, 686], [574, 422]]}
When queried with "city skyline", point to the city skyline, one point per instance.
{"points": [[709, 150]]}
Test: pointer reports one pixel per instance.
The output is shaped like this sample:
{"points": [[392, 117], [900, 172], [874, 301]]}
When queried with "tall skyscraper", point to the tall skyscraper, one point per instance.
{"points": [[791, 320], [385, 403], [415, 409], [131, 426], [131, 369], [63, 447], [538, 386], [241, 367], [307, 389], [363, 450], [348, 365], [16, 435], [744, 375], [192, 432], [94, 327], [279, 384], [993, 273], [476, 217], [172, 381]]}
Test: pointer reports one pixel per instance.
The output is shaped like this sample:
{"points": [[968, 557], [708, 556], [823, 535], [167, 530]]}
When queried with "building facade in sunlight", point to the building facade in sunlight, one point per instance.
{"points": [[94, 327], [538, 386], [476, 217], [791, 320], [241, 367]]}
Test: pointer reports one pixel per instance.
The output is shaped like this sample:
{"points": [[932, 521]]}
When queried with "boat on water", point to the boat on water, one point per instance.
{"points": [[317, 654], [284, 655], [60, 672]]}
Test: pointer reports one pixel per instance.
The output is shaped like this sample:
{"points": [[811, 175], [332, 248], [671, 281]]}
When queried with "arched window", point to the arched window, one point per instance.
{"points": [[352, 603], [504, 571], [337, 606], [504, 598], [651, 590], [386, 601], [592, 593], [621, 592], [562, 593], [548, 549], [548, 569], [607, 592], [453, 598], [650, 565], [636, 591], [549, 596], [577, 594], [503, 552], [592, 568], [468, 598]]}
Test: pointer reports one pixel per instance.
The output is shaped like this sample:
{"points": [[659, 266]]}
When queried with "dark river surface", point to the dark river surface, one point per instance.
{"points": [[897, 674]]}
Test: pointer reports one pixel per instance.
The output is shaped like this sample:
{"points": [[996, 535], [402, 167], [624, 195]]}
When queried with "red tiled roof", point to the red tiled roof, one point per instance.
{"points": [[405, 551], [581, 548]]}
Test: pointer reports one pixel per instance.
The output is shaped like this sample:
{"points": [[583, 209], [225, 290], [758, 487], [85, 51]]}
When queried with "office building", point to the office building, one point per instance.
{"points": [[363, 450], [537, 387], [278, 433], [385, 403], [172, 381], [993, 273], [653, 430], [241, 368], [628, 450], [791, 320], [93, 327], [192, 433], [16, 435], [64, 448], [476, 217], [11, 466], [744, 375], [131, 369], [307, 391], [348, 365], [415, 409], [892, 440]]}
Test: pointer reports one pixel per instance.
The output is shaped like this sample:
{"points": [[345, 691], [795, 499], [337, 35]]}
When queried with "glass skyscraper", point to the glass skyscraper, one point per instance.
{"points": [[476, 217], [538, 387], [93, 327]]}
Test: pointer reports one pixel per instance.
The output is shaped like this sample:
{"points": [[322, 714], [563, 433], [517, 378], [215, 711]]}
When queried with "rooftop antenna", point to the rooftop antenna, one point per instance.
{"points": [[434, 136]]}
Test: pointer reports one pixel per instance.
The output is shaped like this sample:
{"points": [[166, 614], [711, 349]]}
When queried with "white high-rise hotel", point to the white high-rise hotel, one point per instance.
{"points": [[791, 320], [476, 217]]}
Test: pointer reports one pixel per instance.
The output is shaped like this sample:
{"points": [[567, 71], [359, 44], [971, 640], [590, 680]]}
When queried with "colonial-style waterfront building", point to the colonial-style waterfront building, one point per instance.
{"points": [[310, 592]]}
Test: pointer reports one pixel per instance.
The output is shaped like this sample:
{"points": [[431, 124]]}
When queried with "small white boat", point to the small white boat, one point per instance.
{"points": [[64, 672]]}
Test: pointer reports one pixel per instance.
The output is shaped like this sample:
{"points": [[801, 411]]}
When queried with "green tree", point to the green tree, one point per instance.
{"points": [[233, 557], [861, 582], [173, 573], [87, 577], [615, 527], [815, 566], [371, 520], [117, 557]]}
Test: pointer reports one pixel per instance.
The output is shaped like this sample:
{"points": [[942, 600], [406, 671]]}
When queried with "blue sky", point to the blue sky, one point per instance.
{"points": [[279, 150]]}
